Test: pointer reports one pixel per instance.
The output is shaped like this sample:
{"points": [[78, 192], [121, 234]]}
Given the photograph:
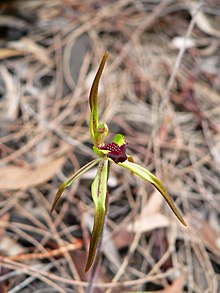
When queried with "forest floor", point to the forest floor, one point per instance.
{"points": [[161, 89]]}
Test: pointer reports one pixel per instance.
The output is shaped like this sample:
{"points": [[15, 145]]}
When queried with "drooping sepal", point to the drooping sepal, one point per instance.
{"points": [[148, 176], [99, 190], [74, 177]]}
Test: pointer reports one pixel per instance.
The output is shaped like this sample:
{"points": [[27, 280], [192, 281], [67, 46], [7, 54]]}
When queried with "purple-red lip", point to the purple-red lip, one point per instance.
{"points": [[117, 153]]}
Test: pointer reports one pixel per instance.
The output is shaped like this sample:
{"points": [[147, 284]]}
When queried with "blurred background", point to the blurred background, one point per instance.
{"points": [[161, 89]]}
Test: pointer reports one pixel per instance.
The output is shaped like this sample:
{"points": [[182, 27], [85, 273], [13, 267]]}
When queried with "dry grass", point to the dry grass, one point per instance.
{"points": [[161, 94]]}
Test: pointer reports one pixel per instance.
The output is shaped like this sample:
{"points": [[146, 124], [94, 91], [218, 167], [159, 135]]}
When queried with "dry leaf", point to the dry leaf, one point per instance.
{"points": [[7, 53], [206, 233], [205, 25], [49, 252], [110, 250], [12, 95], [10, 21], [10, 247], [123, 238], [13, 177], [4, 222], [148, 223], [176, 287], [153, 205], [38, 51]]}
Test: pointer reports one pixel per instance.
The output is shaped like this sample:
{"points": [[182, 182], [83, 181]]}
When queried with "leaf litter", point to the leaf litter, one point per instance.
{"points": [[44, 110]]}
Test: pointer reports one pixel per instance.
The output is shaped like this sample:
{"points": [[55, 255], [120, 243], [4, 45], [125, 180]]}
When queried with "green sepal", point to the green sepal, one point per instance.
{"points": [[93, 100], [119, 139], [75, 176], [148, 176], [98, 189]]}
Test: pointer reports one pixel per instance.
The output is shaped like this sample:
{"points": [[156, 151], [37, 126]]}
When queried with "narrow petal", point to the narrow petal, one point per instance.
{"points": [[148, 176], [100, 152], [101, 134], [93, 99], [75, 176], [99, 189]]}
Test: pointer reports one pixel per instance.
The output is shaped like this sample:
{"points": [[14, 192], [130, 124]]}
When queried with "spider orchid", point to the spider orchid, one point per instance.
{"points": [[107, 153]]}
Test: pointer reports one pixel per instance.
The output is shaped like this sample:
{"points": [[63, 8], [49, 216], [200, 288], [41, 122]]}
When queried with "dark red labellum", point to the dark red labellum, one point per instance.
{"points": [[117, 153]]}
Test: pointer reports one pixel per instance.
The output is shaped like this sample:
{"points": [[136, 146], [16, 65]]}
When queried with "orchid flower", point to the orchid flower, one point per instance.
{"points": [[114, 152]]}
